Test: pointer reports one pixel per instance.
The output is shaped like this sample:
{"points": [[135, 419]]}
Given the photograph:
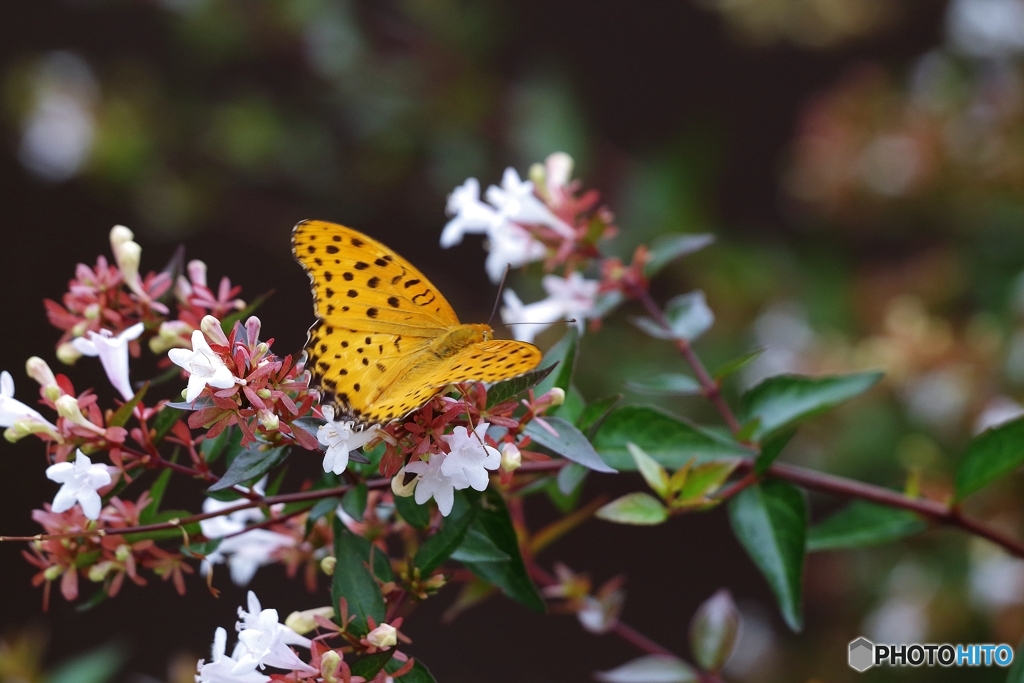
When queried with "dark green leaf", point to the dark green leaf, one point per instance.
{"points": [[1016, 673], [596, 411], [97, 666], [165, 419], [354, 501], [368, 665], [212, 449], [415, 514], [570, 443], [508, 389], [321, 509], [667, 384], [191, 529], [201, 402], [564, 354], [785, 400], [249, 465], [418, 673], [570, 477], [352, 579], [687, 317], [771, 447], [98, 598], [862, 523], [572, 407], [670, 440], [770, 521], [992, 454], [668, 248], [728, 368], [476, 547], [156, 493], [493, 521], [120, 417], [439, 547]]}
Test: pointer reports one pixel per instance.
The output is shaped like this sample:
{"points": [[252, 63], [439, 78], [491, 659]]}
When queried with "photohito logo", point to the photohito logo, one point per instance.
{"points": [[863, 654]]}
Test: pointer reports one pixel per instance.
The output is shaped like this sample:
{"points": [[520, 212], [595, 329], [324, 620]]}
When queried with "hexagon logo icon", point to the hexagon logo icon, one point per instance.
{"points": [[862, 654]]}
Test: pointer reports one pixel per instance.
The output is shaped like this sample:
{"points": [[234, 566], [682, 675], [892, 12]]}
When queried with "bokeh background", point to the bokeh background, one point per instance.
{"points": [[861, 163]]}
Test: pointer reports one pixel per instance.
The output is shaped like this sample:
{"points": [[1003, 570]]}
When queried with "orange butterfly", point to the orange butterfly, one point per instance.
{"points": [[386, 341]]}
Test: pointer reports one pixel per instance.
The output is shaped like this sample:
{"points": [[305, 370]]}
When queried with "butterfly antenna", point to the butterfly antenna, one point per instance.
{"points": [[501, 288]]}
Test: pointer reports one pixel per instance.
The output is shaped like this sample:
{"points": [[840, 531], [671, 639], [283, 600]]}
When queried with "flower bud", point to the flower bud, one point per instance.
{"points": [[173, 334], [213, 331], [264, 393], [303, 622], [119, 234], [53, 572], [98, 572], [53, 392], [196, 272], [38, 370], [511, 458], [383, 637], [25, 426], [68, 408], [327, 565], [330, 662], [123, 553], [67, 353], [538, 175], [269, 420], [92, 312], [399, 485], [555, 396]]}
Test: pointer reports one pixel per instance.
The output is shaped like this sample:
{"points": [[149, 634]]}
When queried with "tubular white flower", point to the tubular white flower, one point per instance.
{"points": [[113, 353], [432, 483], [263, 641], [340, 439], [204, 367], [471, 216], [220, 668], [510, 245], [11, 409], [470, 457], [516, 200], [79, 482], [128, 255], [571, 297]]}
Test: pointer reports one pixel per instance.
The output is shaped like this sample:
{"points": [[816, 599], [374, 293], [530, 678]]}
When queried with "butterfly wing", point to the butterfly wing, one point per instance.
{"points": [[360, 283]]}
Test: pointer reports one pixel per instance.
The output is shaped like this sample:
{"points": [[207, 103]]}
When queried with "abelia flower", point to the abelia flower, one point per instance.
{"points": [[11, 409], [432, 483], [113, 353], [204, 367], [341, 438], [79, 481], [470, 457], [243, 551], [263, 641], [221, 667], [571, 297]]}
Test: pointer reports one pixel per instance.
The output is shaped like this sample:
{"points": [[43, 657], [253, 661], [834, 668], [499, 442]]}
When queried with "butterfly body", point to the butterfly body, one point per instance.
{"points": [[386, 341]]}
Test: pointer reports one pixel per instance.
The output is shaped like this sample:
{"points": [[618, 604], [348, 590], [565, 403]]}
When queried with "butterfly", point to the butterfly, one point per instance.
{"points": [[385, 341]]}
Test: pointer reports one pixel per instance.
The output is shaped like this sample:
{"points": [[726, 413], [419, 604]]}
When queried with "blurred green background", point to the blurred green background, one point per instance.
{"points": [[862, 164]]}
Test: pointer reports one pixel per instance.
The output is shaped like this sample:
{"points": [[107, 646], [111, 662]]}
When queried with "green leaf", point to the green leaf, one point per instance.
{"points": [[191, 529], [653, 473], [493, 521], [650, 669], [705, 478], [770, 521], [572, 407], [687, 316], [321, 509], [368, 665], [862, 523], [120, 417], [249, 465], [1016, 673], [634, 508], [352, 579], [713, 630], [165, 419], [412, 512], [596, 411], [97, 666], [667, 384], [439, 547], [508, 389], [354, 501], [668, 248], [785, 400], [156, 493], [564, 353], [992, 454], [570, 477], [418, 674], [215, 447], [670, 440], [771, 447], [730, 367], [570, 443], [476, 547]]}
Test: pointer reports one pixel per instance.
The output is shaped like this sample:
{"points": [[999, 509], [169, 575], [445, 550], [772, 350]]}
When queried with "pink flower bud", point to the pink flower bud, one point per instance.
{"points": [[330, 662], [197, 272], [213, 331], [511, 458]]}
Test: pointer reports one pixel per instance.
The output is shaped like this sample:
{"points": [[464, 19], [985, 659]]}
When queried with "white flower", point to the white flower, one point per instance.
{"points": [[263, 641], [470, 457], [571, 297], [79, 482], [220, 668], [517, 201], [12, 409], [204, 367], [383, 637], [433, 484], [470, 214], [341, 438], [245, 552], [113, 353], [512, 246]]}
